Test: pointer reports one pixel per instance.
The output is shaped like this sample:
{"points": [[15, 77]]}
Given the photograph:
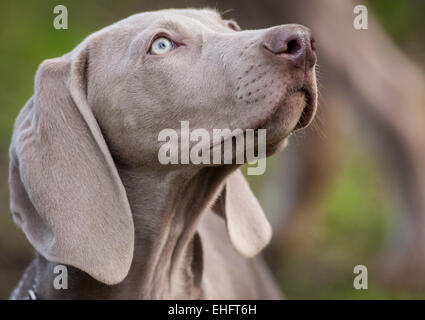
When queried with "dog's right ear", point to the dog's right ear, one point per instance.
{"points": [[66, 193], [247, 225]]}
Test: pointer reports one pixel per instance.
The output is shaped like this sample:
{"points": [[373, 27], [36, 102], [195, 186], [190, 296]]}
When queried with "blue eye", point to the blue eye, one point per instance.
{"points": [[161, 45]]}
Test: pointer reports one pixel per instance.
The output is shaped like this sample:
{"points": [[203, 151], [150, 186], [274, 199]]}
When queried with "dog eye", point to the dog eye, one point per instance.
{"points": [[161, 45]]}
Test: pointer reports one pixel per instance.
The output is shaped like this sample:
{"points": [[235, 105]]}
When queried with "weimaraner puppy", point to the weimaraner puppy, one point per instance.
{"points": [[86, 185]]}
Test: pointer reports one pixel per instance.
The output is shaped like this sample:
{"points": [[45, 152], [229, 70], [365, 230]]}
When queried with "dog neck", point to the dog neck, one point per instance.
{"points": [[167, 260]]}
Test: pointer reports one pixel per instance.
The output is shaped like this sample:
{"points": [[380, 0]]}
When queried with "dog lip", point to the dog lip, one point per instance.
{"points": [[306, 117], [309, 109]]}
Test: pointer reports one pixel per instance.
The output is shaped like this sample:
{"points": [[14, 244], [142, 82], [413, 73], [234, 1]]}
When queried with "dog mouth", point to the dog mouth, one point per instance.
{"points": [[306, 92], [299, 97], [309, 108]]}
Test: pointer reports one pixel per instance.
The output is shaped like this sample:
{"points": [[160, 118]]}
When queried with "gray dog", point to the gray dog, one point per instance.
{"points": [[86, 185]]}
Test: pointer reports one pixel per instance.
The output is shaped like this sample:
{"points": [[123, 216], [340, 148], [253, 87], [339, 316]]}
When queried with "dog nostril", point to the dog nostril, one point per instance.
{"points": [[293, 47], [291, 44]]}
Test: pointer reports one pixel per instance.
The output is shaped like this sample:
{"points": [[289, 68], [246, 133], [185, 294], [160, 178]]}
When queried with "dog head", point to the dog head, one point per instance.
{"points": [[153, 70]]}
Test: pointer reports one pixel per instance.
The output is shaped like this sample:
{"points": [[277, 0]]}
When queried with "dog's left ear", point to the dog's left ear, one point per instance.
{"points": [[247, 225]]}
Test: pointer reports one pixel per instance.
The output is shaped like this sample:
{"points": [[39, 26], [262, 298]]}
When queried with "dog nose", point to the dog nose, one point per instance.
{"points": [[292, 43]]}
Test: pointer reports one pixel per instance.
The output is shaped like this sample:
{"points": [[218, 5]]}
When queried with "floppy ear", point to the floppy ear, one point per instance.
{"points": [[246, 222], [66, 193]]}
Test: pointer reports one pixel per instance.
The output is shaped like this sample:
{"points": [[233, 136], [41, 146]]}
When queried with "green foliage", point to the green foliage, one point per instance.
{"points": [[356, 216], [404, 20]]}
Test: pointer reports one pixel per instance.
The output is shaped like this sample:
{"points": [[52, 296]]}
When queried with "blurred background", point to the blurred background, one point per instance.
{"points": [[348, 191]]}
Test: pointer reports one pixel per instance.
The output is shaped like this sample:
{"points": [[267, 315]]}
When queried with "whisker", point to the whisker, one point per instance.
{"points": [[226, 11]]}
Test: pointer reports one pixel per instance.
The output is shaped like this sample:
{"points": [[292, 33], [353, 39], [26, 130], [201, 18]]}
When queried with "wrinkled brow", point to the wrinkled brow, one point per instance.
{"points": [[171, 25]]}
